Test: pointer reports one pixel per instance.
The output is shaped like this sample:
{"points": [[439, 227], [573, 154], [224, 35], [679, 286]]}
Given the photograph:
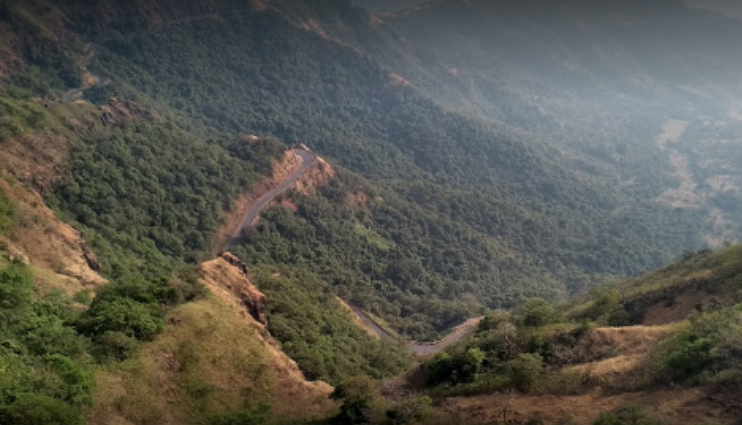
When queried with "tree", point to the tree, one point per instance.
{"points": [[460, 368], [38, 409], [538, 312], [525, 370], [16, 292], [359, 399], [410, 411], [124, 315]]}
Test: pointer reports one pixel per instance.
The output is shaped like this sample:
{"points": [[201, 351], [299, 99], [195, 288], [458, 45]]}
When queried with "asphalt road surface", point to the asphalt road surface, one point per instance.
{"points": [[308, 158]]}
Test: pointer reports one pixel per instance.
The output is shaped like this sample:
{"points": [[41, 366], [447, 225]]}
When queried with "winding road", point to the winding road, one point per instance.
{"points": [[422, 348], [307, 158], [74, 94]]}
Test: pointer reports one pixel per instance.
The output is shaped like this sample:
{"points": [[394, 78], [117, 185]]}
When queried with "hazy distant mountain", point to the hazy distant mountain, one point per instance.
{"points": [[729, 7], [632, 44], [386, 5]]}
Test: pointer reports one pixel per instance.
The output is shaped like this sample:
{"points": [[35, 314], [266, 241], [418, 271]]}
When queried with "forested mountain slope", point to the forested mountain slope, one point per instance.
{"points": [[545, 228], [636, 93], [584, 45]]}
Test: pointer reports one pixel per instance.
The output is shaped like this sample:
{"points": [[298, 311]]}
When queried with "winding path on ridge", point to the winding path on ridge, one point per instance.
{"points": [[307, 159]]}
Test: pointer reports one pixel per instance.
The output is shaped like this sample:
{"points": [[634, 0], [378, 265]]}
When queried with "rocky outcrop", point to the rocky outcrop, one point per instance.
{"points": [[39, 239], [119, 111], [227, 277], [317, 176]]}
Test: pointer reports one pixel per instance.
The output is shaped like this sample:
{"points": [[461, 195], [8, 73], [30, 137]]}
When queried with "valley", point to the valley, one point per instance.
{"points": [[511, 213]]}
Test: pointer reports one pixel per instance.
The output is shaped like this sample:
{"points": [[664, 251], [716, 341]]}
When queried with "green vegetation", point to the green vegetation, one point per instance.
{"points": [[462, 214], [45, 361], [534, 349], [19, 117], [508, 353], [155, 192], [7, 212], [364, 403], [629, 415], [459, 368], [495, 193], [222, 372], [316, 331], [707, 351]]}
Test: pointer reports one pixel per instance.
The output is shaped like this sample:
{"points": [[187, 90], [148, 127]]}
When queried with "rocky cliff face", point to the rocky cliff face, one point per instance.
{"points": [[119, 111], [30, 164], [318, 175], [226, 276]]}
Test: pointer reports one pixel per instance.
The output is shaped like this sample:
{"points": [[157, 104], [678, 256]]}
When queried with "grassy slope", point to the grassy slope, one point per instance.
{"points": [[208, 361], [681, 369]]}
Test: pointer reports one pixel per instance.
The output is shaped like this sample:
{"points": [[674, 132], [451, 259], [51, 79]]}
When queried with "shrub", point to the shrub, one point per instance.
{"points": [[77, 385], [410, 411], [126, 316], [691, 356], [38, 409], [360, 401], [525, 370], [116, 345], [460, 368], [16, 292], [7, 212], [628, 415], [238, 418], [538, 312]]}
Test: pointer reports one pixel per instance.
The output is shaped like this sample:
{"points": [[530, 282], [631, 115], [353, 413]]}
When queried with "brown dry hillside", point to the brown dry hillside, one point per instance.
{"points": [[212, 357], [678, 365], [689, 406], [601, 387], [30, 164]]}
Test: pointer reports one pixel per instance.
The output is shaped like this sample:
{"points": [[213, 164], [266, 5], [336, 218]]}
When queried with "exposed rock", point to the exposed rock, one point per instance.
{"points": [[42, 240], [251, 139], [318, 175], [234, 261], [16, 255], [227, 278], [91, 258], [119, 111]]}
